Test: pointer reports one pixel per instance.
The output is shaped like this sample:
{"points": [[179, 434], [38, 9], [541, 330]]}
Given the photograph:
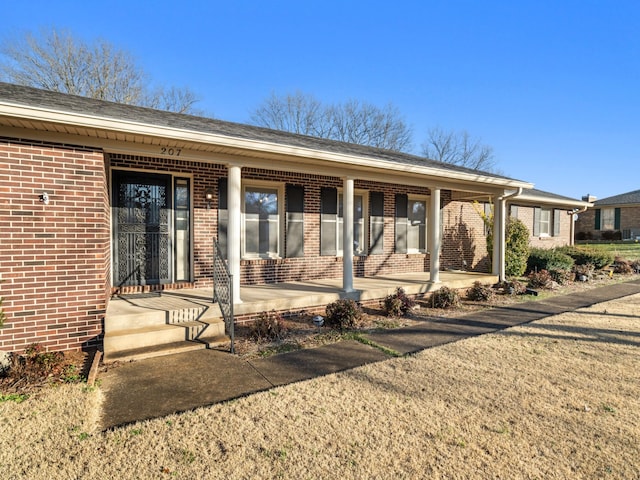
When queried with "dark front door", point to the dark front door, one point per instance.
{"points": [[142, 228]]}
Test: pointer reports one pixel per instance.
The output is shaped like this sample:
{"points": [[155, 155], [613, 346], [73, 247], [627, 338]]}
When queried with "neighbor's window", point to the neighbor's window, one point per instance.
{"points": [[607, 219], [262, 221]]}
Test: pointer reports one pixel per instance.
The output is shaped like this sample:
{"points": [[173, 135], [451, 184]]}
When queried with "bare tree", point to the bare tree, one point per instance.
{"points": [[55, 60], [352, 121], [294, 112], [458, 148]]}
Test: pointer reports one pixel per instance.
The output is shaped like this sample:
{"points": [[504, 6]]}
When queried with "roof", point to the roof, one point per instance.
{"points": [[43, 109], [622, 199], [533, 195]]}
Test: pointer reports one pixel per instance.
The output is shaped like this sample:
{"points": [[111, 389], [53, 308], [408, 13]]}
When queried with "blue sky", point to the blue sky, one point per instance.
{"points": [[552, 86]]}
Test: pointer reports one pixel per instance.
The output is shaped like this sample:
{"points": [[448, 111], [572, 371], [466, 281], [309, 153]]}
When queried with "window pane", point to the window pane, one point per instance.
{"points": [[607, 219], [545, 221], [261, 221], [358, 223], [417, 225]]}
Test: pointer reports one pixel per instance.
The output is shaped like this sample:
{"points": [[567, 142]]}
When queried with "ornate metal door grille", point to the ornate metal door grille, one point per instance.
{"points": [[142, 229]]}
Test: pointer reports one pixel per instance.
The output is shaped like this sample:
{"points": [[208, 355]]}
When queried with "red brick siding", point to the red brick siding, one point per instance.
{"points": [[54, 259]]}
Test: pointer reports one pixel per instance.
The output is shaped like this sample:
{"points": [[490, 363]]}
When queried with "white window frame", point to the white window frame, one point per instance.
{"points": [[279, 187], [426, 200], [364, 250], [548, 223], [607, 219]]}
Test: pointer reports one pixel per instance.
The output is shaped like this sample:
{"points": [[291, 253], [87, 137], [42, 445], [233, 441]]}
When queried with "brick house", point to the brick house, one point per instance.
{"points": [[99, 199], [611, 218]]}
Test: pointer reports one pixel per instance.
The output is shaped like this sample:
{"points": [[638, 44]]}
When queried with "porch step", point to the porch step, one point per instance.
{"points": [[165, 349], [146, 318], [157, 335]]}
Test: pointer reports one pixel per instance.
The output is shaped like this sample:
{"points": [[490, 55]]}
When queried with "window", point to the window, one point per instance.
{"points": [[545, 222], [261, 207], [607, 219], [411, 224], [332, 215]]}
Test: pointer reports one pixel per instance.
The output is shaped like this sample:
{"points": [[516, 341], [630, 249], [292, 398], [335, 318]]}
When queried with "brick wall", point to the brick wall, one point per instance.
{"points": [[54, 259], [629, 220]]}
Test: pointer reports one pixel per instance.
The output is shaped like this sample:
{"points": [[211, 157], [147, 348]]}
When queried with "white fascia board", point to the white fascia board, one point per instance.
{"points": [[136, 128], [557, 202]]}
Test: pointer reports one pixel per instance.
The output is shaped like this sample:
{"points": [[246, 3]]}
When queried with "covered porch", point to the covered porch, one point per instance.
{"points": [[170, 321]]}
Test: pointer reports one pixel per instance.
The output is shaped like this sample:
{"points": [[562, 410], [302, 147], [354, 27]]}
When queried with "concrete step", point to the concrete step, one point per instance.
{"points": [[161, 334], [164, 349], [126, 319]]}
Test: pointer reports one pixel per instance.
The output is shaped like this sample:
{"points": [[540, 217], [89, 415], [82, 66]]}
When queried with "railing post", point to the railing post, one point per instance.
{"points": [[223, 291]]}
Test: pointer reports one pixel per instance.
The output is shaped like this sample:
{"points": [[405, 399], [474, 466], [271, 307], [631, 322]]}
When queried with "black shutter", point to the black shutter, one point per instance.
{"points": [[295, 221], [597, 217], [376, 200], [402, 206], [328, 220], [616, 219], [223, 216]]}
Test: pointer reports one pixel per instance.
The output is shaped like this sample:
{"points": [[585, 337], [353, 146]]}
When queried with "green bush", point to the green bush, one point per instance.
{"points": [[480, 292], [398, 303], [586, 255], [344, 314], [517, 248], [268, 326], [445, 297], [549, 259]]}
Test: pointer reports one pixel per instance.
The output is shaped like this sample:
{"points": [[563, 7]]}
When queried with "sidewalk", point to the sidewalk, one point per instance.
{"points": [[164, 385]]}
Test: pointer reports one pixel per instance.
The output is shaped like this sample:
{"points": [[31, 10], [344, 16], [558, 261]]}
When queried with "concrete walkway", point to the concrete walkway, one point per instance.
{"points": [[164, 385]]}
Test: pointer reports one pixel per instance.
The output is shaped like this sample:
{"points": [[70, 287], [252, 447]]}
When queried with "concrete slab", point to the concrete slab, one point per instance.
{"points": [[163, 385], [174, 383], [314, 362]]}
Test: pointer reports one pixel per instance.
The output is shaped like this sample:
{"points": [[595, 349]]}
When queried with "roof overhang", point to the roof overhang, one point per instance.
{"points": [[561, 203], [122, 135]]}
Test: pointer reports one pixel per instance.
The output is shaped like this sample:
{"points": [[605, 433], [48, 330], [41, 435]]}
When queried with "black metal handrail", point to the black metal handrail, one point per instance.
{"points": [[223, 290]]}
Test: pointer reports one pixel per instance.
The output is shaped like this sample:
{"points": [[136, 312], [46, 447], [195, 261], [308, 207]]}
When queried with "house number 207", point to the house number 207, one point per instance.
{"points": [[174, 152]]}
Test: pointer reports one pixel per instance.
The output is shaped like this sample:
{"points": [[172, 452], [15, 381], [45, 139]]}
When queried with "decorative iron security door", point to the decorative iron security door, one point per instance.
{"points": [[142, 228]]}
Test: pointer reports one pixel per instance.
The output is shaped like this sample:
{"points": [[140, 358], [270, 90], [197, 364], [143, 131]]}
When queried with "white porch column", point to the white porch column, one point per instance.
{"points": [[234, 203], [499, 243], [347, 235], [435, 236]]}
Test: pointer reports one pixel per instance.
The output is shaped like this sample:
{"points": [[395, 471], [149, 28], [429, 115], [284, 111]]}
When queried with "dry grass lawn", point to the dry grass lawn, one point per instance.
{"points": [[556, 399]]}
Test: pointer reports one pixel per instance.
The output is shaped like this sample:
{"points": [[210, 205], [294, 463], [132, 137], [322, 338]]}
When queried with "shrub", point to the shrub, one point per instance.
{"points": [[549, 259], [562, 276], [268, 326], [541, 279], [517, 248], [35, 364], [586, 255], [445, 297], [398, 303], [513, 287], [480, 292], [611, 235], [344, 314], [635, 265], [622, 267]]}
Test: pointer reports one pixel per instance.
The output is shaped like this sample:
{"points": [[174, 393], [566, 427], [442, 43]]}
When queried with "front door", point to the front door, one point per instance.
{"points": [[142, 228]]}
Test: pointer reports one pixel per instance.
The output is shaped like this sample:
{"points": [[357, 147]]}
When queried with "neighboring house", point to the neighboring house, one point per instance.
{"points": [[549, 217], [98, 198], [611, 218]]}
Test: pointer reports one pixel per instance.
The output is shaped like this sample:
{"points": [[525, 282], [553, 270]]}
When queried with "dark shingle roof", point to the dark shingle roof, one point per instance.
{"points": [[622, 199], [33, 97], [534, 192]]}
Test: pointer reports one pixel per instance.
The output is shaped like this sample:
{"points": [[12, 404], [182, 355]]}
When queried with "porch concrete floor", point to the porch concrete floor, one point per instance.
{"points": [[293, 295]]}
